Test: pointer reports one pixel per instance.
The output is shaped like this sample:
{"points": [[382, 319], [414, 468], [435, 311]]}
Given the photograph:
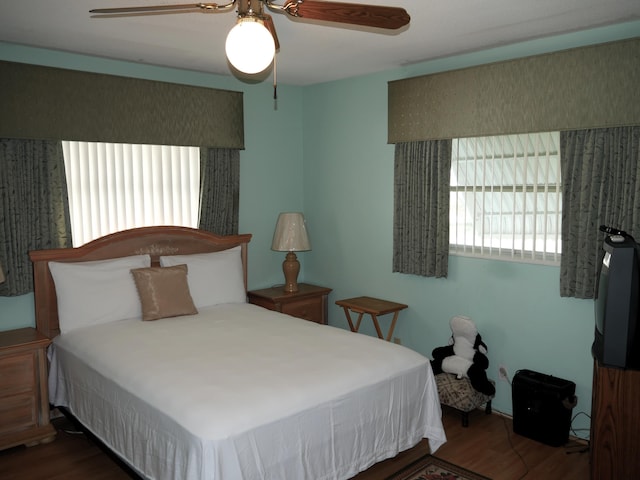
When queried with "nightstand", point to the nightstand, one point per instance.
{"points": [[308, 303], [24, 403]]}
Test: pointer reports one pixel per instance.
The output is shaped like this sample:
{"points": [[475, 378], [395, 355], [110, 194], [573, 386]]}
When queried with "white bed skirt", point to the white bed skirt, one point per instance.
{"points": [[238, 392]]}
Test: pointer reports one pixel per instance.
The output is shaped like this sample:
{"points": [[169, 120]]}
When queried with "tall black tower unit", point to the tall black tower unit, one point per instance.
{"points": [[542, 407]]}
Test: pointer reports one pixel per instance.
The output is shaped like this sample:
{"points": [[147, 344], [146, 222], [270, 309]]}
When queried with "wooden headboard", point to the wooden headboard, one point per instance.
{"points": [[155, 241]]}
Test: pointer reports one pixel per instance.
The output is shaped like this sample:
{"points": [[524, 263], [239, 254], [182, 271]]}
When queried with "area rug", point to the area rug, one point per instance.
{"points": [[434, 468]]}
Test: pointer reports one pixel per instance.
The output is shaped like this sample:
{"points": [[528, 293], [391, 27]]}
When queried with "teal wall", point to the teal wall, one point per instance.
{"points": [[322, 150]]}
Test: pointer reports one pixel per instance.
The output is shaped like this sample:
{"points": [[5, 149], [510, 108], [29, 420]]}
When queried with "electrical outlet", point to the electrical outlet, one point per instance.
{"points": [[503, 373]]}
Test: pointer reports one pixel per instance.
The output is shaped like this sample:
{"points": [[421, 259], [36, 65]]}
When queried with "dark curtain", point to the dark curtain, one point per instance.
{"points": [[219, 190], [34, 211], [601, 186], [421, 208]]}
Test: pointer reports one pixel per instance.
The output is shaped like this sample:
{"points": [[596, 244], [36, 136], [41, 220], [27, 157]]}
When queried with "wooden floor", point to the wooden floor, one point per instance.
{"points": [[488, 446]]}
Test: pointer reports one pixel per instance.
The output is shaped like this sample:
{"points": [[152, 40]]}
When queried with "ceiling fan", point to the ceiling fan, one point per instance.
{"points": [[252, 42]]}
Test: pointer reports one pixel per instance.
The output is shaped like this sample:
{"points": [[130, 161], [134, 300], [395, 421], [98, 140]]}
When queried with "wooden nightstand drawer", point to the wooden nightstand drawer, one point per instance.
{"points": [[308, 303], [309, 309], [17, 374], [24, 406], [18, 412]]}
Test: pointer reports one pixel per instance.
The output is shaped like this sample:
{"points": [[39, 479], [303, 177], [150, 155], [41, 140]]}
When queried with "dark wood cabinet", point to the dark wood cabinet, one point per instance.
{"points": [[308, 303], [615, 424]]}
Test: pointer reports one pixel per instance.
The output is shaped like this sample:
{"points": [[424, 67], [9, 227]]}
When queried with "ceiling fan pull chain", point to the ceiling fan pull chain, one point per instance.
{"points": [[275, 76]]}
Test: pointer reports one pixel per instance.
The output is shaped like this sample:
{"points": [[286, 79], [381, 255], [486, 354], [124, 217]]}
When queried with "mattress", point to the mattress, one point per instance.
{"points": [[241, 392]]}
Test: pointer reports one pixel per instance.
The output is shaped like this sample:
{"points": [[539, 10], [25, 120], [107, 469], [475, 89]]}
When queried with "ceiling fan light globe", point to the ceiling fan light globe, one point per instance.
{"points": [[250, 47]]}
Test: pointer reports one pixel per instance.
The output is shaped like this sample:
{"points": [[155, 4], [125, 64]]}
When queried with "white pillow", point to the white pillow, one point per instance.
{"points": [[90, 293], [213, 278]]}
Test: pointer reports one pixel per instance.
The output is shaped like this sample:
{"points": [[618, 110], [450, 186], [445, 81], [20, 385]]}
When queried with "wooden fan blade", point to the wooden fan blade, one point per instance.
{"points": [[352, 13], [268, 23], [158, 8]]}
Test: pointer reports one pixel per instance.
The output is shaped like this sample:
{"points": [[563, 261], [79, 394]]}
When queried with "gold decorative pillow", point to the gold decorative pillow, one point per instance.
{"points": [[164, 292]]}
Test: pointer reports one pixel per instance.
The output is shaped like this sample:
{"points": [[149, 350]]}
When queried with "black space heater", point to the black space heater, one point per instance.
{"points": [[542, 406]]}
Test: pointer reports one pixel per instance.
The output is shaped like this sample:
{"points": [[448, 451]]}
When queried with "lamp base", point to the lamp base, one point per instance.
{"points": [[291, 268]]}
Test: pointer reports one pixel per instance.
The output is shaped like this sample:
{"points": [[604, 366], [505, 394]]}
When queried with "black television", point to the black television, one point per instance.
{"points": [[617, 304]]}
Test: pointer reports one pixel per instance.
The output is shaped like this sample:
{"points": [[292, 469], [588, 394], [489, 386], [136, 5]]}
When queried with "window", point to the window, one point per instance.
{"points": [[114, 187], [506, 198]]}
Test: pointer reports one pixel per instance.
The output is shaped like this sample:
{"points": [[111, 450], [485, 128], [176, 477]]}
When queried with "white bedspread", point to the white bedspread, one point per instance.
{"points": [[238, 392]]}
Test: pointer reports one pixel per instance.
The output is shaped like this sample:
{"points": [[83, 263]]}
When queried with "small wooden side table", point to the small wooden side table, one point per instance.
{"points": [[374, 307], [308, 303]]}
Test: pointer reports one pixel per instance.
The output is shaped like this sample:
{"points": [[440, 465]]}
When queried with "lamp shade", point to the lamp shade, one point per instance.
{"points": [[291, 234], [250, 47]]}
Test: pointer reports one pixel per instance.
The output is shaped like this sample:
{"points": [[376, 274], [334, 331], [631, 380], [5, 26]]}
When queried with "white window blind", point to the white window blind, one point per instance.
{"points": [[506, 198], [114, 186]]}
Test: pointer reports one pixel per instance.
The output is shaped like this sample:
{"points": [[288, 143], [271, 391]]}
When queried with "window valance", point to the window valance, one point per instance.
{"points": [[588, 87], [52, 103]]}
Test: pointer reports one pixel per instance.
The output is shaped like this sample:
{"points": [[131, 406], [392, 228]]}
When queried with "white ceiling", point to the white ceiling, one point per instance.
{"points": [[311, 52]]}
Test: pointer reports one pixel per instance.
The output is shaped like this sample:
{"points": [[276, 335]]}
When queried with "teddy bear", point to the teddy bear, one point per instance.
{"points": [[465, 356]]}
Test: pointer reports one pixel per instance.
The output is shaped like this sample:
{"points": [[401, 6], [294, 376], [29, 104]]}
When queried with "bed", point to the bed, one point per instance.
{"points": [[218, 388]]}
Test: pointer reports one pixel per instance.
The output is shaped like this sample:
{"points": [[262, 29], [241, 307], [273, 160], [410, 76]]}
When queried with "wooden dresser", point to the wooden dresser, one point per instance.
{"points": [[24, 403], [615, 424], [309, 302]]}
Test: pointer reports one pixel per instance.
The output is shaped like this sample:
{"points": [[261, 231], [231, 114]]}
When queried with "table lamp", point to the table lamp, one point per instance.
{"points": [[290, 236]]}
